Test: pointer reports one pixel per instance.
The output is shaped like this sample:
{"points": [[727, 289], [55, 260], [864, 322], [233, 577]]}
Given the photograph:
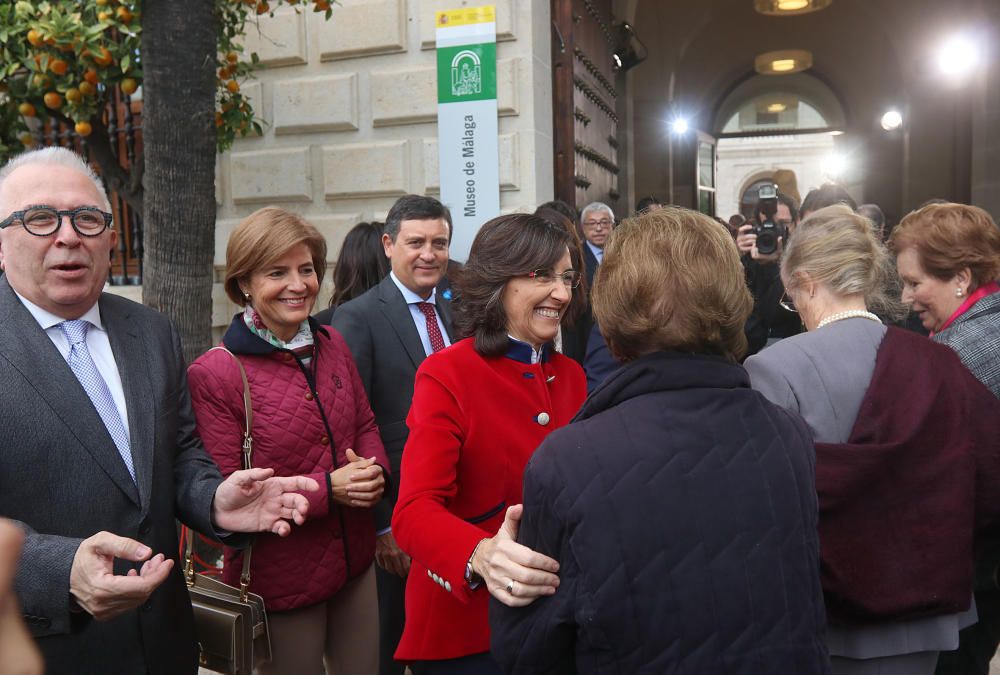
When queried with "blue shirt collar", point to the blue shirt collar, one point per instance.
{"points": [[597, 251], [524, 353]]}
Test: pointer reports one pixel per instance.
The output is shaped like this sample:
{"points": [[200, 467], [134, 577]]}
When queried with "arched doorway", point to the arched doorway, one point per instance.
{"points": [[766, 124]]}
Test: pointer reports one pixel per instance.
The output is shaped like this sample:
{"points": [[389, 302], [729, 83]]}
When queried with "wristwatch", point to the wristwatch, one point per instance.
{"points": [[471, 578]]}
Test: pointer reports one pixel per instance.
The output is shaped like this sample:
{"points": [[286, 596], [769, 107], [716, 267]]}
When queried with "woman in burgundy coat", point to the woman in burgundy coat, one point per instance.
{"points": [[480, 408], [310, 416]]}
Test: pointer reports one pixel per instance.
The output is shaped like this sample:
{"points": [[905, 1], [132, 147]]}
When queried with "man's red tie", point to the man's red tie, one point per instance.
{"points": [[433, 331]]}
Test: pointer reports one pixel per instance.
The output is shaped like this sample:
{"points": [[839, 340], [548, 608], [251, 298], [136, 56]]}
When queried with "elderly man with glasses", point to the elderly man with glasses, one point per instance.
{"points": [[596, 221], [99, 455]]}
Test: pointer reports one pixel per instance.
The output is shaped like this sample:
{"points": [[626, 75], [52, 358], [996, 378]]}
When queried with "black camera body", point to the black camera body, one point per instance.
{"points": [[768, 232]]}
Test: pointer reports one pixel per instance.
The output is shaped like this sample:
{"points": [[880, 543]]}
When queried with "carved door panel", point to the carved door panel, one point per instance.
{"points": [[585, 102]]}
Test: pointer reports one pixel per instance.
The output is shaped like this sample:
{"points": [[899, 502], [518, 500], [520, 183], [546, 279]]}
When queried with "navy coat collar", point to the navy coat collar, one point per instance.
{"points": [[664, 371]]}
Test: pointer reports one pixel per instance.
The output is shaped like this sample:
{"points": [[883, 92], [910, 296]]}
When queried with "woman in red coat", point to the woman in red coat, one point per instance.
{"points": [[480, 408], [310, 416]]}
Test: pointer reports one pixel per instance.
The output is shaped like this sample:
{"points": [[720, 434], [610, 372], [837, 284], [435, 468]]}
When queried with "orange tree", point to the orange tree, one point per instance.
{"points": [[60, 61]]}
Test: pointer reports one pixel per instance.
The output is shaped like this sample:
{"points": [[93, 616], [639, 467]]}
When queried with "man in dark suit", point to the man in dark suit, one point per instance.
{"points": [[390, 330], [99, 455]]}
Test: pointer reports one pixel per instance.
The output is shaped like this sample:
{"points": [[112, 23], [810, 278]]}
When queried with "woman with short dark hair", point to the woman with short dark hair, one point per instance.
{"points": [[679, 503], [480, 408]]}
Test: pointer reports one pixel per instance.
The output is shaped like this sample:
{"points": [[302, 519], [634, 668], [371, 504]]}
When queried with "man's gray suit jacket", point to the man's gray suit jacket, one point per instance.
{"points": [[62, 478], [383, 339]]}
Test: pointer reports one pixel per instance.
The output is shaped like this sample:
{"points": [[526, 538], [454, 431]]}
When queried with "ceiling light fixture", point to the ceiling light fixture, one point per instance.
{"points": [[776, 108], [783, 62], [789, 7]]}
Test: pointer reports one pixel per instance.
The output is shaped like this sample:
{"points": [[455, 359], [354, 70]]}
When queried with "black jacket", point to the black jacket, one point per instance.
{"points": [[681, 506], [768, 319]]}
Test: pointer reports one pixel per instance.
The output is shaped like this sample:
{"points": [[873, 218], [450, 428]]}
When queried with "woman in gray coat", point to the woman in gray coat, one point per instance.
{"points": [[899, 426], [948, 256]]}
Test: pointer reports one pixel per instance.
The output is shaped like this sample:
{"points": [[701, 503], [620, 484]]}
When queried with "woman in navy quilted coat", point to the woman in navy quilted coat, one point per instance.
{"points": [[680, 503], [310, 416]]}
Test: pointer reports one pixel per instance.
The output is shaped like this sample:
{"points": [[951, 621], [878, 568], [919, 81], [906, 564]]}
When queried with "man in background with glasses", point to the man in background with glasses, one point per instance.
{"points": [[99, 454], [596, 221]]}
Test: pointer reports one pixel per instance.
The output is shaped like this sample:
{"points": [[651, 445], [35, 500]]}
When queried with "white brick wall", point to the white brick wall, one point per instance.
{"points": [[350, 111]]}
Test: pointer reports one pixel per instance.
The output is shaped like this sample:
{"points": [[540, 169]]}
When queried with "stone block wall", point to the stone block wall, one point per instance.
{"points": [[350, 116]]}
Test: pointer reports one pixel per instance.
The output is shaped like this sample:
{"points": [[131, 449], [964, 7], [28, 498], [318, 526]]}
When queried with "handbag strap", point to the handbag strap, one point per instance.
{"points": [[247, 463]]}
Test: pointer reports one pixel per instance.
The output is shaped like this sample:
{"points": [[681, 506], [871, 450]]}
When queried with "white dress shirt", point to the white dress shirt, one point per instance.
{"points": [[98, 345]]}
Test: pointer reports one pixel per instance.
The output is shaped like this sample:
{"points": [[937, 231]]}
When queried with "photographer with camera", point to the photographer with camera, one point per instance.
{"points": [[760, 241]]}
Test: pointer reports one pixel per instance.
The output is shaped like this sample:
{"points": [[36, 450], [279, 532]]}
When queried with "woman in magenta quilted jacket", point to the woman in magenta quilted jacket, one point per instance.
{"points": [[311, 417]]}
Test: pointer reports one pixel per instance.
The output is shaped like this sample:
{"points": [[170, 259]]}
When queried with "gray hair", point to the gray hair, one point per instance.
{"points": [[597, 206], [839, 248], [55, 156]]}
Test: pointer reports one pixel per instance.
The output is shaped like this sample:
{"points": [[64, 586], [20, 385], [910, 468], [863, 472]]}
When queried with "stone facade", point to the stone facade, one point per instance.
{"points": [[350, 116]]}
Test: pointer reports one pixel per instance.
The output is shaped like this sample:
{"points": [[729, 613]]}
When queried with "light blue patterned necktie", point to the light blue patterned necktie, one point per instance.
{"points": [[83, 366]]}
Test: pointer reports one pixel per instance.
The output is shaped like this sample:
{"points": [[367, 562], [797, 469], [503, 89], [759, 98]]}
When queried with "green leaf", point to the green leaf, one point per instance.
{"points": [[126, 62]]}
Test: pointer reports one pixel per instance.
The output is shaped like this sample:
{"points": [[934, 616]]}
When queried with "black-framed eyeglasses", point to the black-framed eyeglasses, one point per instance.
{"points": [[570, 278], [43, 220], [787, 304], [603, 223]]}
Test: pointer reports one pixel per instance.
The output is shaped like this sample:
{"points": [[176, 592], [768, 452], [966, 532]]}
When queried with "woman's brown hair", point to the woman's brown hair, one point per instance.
{"points": [[671, 279], [505, 247], [950, 237], [263, 237]]}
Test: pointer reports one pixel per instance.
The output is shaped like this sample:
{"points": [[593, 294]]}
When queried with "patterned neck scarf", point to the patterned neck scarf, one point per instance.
{"points": [[301, 344]]}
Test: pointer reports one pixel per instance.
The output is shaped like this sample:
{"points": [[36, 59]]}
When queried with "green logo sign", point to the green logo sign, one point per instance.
{"points": [[467, 73]]}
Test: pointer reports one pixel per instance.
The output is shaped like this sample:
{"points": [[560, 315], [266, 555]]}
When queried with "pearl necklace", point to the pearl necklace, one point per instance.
{"points": [[849, 314]]}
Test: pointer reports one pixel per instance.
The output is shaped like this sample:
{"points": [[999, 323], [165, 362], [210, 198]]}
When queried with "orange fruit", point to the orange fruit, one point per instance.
{"points": [[129, 85], [73, 95], [123, 14], [35, 38], [91, 76], [27, 140], [104, 58], [263, 7], [40, 81], [58, 66], [83, 128], [87, 89], [218, 119], [224, 73], [26, 109], [321, 6], [101, 3], [104, 16], [233, 86], [233, 57], [53, 100]]}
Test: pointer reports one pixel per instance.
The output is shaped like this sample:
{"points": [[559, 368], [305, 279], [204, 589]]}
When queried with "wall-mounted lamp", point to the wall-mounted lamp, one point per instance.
{"points": [[629, 51], [891, 120], [679, 126], [958, 56]]}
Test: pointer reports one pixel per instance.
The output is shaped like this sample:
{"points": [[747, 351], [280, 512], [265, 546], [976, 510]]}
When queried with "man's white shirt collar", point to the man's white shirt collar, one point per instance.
{"points": [[408, 295], [47, 319]]}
